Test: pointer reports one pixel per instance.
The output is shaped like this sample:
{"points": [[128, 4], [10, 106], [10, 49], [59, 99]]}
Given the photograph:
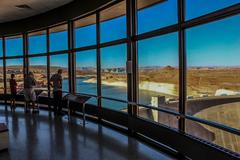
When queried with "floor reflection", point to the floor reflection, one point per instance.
{"points": [[44, 137]]}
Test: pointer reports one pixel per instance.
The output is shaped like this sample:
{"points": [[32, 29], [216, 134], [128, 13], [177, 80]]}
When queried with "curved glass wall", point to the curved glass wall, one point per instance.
{"points": [[162, 57]]}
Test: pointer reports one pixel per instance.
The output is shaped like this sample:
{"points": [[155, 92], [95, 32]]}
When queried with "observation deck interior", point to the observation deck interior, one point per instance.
{"points": [[154, 79]]}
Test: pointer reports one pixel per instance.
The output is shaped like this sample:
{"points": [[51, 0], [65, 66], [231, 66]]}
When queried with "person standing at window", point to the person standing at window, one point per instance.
{"points": [[13, 89], [56, 83], [29, 93]]}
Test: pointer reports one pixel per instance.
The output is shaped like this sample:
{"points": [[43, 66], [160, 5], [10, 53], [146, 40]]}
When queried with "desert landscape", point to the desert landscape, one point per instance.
{"points": [[201, 81]]}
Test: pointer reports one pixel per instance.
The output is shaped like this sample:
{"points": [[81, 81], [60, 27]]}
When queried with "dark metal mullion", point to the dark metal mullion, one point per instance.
{"points": [[70, 47], [4, 65], [25, 54], [73, 59], [59, 52], [48, 62], [14, 57], [99, 88], [131, 56], [182, 66], [85, 48], [113, 43], [135, 79], [158, 32], [214, 16], [37, 55]]}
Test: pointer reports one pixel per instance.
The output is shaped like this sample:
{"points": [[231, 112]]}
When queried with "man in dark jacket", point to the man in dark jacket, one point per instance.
{"points": [[56, 83]]}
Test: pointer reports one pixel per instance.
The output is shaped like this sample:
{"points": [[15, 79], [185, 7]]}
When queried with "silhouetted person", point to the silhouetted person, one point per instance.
{"points": [[13, 89], [56, 83], [29, 93]]}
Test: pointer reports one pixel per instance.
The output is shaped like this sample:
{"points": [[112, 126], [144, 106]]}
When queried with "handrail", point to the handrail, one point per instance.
{"points": [[174, 113], [192, 118]]}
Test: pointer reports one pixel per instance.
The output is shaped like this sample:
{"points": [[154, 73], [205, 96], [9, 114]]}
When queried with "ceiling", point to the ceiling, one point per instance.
{"points": [[26, 8]]}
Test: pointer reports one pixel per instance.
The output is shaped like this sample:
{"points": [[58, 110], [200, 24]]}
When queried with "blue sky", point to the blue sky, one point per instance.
{"points": [[213, 44], [86, 61]]}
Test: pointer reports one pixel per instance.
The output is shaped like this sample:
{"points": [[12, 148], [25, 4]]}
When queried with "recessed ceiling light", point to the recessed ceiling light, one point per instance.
{"points": [[23, 6]]}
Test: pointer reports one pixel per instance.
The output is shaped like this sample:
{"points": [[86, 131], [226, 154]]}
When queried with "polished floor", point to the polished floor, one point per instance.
{"points": [[43, 137]]}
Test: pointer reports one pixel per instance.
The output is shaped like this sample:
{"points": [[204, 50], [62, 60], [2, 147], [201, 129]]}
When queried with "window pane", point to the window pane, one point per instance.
{"points": [[14, 46], [86, 72], [158, 71], [114, 78], [155, 14], [60, 62], [213, 71], [214, 135], [15, 66], [38, 65], [85, 31], [58, 38], [198, 8], [1, 47], [113, 23], [1, 78], [37, 42]]}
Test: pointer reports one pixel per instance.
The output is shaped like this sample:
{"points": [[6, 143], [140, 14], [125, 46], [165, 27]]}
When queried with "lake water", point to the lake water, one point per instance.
{"points": [[109, 91]]}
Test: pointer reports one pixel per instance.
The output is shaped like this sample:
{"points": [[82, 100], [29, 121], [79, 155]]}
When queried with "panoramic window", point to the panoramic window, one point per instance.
{"points": [[85, 31], [156, 14], [38, 65], [198, 8], [37, 42], [113, 72], [14, 46], [213, 72], [1, 78], [60, 62], [158, 69], [15, 66], [113, 22], [1, 47], [59, 38], [86, 76], [158, 74]]}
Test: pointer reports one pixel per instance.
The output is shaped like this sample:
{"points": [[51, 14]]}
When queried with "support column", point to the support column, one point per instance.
{"points": [[131, 64], [182, 65], [71, 71], [99, 89]]}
